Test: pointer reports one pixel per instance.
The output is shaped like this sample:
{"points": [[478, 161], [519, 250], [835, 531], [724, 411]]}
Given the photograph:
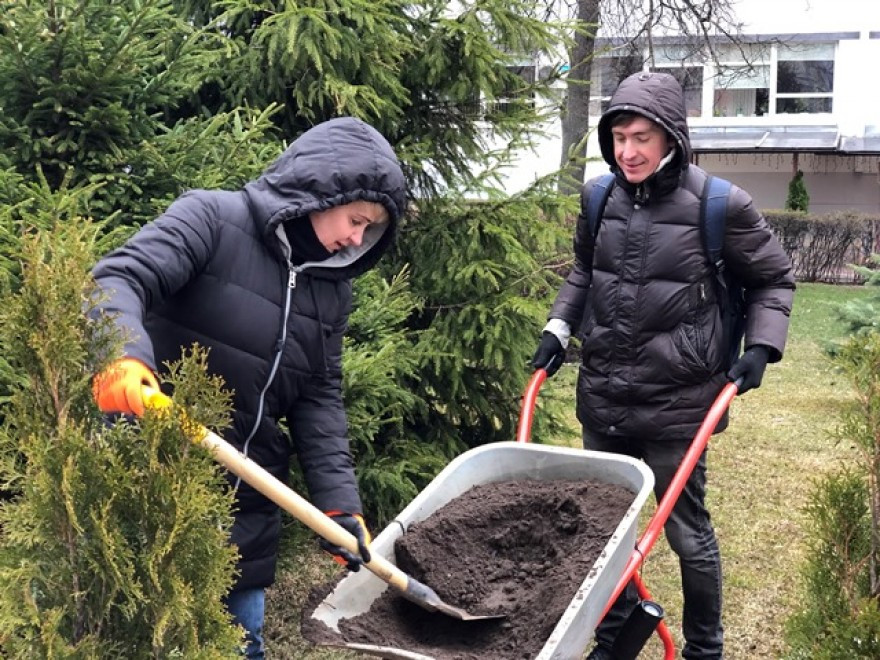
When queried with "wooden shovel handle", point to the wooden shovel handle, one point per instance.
{"points": [[285, 497]]}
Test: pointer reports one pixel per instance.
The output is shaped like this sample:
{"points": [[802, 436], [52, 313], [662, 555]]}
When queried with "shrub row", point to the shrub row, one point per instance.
{"points": [[823, 248]]}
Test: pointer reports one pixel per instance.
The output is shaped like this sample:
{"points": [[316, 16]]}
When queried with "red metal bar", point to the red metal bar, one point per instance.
{"points": [[670, 497], [527, 409]]}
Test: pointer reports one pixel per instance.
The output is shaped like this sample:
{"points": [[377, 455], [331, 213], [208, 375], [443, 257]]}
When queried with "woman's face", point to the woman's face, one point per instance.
{"points": [[341, 226]]}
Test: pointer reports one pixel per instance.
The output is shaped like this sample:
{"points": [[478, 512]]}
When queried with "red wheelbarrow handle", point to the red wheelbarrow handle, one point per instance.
{"points": [[670, 497], [664, 508], [527, 409]]}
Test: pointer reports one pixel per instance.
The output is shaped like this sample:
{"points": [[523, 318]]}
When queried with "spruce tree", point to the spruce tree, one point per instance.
{"points": [[116, 541], [145, 99], [98, 93]]}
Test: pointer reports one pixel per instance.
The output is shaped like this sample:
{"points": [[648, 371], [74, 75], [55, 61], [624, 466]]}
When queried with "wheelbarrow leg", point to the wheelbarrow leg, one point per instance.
{"points": [[662, 629], [636, 630]]}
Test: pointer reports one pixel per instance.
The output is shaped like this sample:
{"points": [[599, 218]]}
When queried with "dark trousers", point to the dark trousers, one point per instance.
{"points": [[690, 535]]}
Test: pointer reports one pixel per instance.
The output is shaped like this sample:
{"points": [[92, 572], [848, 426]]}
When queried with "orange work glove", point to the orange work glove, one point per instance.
{"points": [[354, 524], [119, 388]]}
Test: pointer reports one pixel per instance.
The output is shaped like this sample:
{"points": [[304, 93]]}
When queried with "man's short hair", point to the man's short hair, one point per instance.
{"points": [[625, 118]]}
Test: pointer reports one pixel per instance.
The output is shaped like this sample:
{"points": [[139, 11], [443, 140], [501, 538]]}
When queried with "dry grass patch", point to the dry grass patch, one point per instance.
{"points": [[304, 567]]}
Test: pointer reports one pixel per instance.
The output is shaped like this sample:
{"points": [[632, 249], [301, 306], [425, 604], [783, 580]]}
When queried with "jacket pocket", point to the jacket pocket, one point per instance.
{"points": [[698, 342], [691, 346]]}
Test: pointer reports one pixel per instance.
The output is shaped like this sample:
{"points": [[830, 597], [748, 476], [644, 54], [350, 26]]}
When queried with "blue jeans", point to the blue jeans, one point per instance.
{"points": [[691, 536], [247, 608]]}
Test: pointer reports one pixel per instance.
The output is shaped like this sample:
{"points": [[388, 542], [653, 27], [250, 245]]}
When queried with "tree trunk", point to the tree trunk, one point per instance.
{"points": [[576, 113]]}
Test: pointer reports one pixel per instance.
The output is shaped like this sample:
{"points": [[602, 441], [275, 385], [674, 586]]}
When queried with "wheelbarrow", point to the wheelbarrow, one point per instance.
{"points": [[508, 461], [652, 617]]}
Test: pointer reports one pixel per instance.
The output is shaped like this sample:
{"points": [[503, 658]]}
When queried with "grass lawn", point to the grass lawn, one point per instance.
{"points": [[761, 472]]}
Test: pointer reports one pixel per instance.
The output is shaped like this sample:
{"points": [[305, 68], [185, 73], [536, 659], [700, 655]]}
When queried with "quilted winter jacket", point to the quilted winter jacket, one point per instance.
{"points": [[213, 269], [643, 293]]}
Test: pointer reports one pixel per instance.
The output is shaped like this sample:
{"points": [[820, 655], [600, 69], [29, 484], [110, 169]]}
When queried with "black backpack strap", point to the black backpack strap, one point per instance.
{"points": [[599, 194]]}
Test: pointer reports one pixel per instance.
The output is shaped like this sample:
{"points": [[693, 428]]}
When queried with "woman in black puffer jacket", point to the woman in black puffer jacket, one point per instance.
{"points": [[262, 277]]}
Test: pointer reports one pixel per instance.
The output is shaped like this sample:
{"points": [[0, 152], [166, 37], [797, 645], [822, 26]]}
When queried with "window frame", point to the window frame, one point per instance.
{"points": [[766, 55], [776, 95]]}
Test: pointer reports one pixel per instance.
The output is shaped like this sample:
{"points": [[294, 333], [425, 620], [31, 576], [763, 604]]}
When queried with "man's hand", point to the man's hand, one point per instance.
{"points": [[355, 525], [550, 354], [750, 367], [119, 388]]}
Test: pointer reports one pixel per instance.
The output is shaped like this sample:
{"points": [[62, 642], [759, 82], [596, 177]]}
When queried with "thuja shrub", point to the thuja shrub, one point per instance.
{"points": [[115, 542], [798, 198], [839, 617], [842, 582]]}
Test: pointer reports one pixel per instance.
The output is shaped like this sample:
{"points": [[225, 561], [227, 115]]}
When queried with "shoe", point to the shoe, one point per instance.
{"points": [[600, 653]]}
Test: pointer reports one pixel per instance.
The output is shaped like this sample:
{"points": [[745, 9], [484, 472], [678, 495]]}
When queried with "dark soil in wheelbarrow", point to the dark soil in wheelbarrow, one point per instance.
{"points": [[518, 548]]}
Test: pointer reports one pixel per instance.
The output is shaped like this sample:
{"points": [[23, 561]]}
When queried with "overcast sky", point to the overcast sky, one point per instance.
{"points": [[785, 16]]}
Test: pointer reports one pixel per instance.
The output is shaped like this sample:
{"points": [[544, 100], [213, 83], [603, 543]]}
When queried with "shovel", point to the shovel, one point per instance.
{"points": [[304, 511]]}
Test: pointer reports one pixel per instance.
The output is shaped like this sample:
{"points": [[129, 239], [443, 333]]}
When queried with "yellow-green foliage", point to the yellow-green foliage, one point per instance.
{"points": [[114, 537]]}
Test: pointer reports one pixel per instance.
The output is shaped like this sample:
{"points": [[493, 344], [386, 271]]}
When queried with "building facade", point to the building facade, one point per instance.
{"points": [[796, 92]]}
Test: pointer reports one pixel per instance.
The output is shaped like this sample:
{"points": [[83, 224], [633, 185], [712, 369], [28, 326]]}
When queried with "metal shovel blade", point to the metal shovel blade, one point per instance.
{"points": [[423, 595]]}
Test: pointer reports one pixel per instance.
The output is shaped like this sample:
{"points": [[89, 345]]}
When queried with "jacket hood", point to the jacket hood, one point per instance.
{"points": [[333, 163], [655, 96]]}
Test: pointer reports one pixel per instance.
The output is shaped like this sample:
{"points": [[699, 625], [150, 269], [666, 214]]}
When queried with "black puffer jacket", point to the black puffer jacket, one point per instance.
{"points": [[214, 269], [644, 294]]}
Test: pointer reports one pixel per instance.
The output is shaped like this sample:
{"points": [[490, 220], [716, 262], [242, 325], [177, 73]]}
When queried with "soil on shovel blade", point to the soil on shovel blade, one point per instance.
{"points": [[519, 548]]}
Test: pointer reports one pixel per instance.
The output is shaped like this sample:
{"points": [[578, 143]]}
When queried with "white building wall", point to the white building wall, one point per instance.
{"points": [[834, 183]]}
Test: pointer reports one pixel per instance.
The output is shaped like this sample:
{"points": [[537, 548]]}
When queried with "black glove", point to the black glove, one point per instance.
{"points": [[355, 525], [750, 367], [550, 354]]}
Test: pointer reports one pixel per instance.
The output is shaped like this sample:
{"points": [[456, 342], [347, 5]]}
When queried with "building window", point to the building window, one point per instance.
{"points": [[805, 78], [608, 73], [517, 92], [742, 91], [750, 79], [691, 80], [518, 89]]}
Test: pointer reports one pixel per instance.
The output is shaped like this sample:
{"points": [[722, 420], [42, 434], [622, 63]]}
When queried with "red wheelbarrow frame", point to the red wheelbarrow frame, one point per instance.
{"points": [[664, 508]]}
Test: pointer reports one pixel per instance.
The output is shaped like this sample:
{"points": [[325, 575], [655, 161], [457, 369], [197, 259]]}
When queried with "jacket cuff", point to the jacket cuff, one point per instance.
{"points": [[559, 328]]}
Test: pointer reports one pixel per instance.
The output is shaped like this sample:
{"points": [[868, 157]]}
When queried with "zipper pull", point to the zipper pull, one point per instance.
{"points": [[291, 279], [702, 292]]}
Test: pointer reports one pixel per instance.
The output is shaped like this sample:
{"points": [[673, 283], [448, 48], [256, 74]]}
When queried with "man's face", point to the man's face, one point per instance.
{"points": [[341, 226], [639, 146]]}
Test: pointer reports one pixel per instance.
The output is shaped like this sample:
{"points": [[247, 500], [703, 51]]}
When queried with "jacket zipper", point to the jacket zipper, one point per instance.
{"points": [[279, 350], [698, 327]]}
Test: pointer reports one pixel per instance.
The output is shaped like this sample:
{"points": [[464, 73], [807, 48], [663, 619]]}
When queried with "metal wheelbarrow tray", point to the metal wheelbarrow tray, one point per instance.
{"points": [[510, 461]]}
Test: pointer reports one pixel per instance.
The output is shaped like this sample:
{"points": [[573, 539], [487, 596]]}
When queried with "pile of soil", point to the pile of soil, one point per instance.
{"points": [[519, 548]]}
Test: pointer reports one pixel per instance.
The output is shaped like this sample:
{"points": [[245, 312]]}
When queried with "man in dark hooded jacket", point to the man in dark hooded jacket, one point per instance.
{"points": [[642, 293], [262, 277]]}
